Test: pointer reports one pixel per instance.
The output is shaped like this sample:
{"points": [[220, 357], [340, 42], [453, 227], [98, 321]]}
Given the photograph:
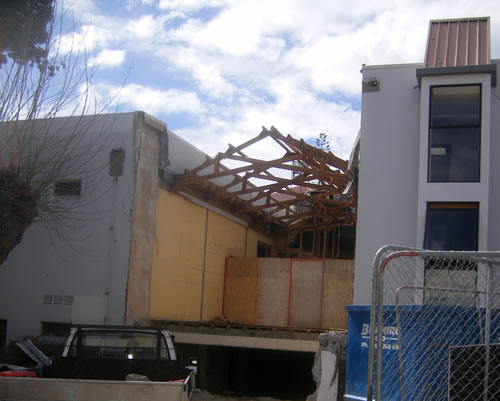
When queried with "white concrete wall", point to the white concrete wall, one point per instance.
{"points": [[393, 187], [89, 261], [389, 162], [493, 242]]}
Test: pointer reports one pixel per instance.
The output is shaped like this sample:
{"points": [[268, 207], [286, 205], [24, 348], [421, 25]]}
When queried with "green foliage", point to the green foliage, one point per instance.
{"points": [[24, 30], [322, 142]]}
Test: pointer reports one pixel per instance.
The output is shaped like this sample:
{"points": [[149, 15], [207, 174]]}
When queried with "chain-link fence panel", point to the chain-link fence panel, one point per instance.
{"points": [[435, 326]]}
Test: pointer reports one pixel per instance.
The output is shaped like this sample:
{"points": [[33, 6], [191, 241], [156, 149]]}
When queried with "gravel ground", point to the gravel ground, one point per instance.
{"points": [[199, 395]]}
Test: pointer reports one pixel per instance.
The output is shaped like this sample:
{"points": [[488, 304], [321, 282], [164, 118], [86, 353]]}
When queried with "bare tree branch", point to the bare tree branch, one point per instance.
{"points": [[37, 83]]}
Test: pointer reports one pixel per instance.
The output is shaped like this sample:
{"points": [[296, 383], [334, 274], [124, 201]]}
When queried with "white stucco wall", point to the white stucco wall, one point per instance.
{"points": [[393, 187], [493, 242], [388, 173], [88, 262]]}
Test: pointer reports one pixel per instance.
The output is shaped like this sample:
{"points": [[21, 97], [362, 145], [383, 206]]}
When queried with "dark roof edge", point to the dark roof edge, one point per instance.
{"points": [[471, 69]]}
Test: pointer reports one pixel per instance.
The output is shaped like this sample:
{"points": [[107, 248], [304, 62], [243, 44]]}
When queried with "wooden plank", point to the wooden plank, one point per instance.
{"points": [[240, 293]]}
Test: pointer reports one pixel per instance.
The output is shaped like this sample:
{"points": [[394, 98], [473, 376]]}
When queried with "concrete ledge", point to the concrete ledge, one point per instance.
{"points": [[247, 342]]}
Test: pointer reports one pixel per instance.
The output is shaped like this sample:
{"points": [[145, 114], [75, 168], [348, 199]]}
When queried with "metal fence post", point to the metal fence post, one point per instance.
{"points": [[426, 325]]}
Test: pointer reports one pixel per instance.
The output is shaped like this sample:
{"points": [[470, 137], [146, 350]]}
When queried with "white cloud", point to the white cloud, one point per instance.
{"points": [[87, 38], [190, 5], [108, 58], [295, 112], [143, 28], [234, 31], [326, 45], [327, 41], [262, 62], [205, 71], [137, 3], [154, 101], [148, 27], [103, 97], [79, 7]]}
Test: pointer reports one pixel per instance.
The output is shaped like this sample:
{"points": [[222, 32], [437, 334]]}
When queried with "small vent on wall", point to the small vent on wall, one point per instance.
{"points": [[47, 299], [57, 299], [68, 188]]}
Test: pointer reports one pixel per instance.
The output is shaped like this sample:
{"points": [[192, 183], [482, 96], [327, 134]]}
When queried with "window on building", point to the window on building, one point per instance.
{"points": [[451, 227], [3, 332], [455, 134], [68, 188], [263, 250]]}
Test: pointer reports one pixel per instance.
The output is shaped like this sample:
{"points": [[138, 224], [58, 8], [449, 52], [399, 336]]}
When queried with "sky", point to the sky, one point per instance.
{"points": [[217, 71]]}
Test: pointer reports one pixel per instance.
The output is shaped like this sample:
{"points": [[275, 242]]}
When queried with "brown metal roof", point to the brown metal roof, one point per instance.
{"points": [[458, 42]]}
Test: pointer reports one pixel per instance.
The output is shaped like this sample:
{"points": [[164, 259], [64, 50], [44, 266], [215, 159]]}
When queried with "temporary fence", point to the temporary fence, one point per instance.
{"points": [[434, 326]]}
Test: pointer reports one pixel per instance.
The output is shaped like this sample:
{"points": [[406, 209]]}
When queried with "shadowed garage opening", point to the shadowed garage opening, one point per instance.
{"points": [[284, 375]]}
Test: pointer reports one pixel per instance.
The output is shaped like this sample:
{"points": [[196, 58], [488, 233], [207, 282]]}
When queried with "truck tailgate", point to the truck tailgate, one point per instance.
{"points": [[40, 389]]}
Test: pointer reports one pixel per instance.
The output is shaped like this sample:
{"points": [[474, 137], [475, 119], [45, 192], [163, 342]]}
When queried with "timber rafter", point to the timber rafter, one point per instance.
{"points": [[281, 194]]}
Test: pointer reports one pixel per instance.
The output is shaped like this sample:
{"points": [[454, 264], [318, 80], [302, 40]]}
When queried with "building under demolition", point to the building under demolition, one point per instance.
{"points": [[246, 260]]}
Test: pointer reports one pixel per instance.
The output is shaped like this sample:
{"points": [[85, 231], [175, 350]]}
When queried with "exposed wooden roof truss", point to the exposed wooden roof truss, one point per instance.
{"points": [[280, 193]]}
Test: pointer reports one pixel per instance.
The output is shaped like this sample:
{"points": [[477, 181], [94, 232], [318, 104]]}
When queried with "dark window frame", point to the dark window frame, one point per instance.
{"points": [[451, 206], [3, 333], [432, 126], [264, 250], [439, 271]]}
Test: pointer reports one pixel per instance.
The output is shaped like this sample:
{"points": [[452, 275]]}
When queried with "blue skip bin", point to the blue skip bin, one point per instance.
{"points": [[358, 342], [429, 336]]}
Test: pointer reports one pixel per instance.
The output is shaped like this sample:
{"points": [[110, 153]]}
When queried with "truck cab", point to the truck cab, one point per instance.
{"points": [[115, 352], [120, 343], [99, 362]]}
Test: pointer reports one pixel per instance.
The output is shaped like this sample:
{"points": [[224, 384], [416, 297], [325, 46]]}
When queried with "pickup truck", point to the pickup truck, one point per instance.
{"points": [[107, 363]]}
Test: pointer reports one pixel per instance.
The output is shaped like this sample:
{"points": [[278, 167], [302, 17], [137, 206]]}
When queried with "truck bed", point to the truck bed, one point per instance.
{"points": [[40, 389]]}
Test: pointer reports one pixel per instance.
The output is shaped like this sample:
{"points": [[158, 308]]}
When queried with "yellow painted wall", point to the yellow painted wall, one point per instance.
{"points": [[191, 247], [178, 258], [224, 238]]}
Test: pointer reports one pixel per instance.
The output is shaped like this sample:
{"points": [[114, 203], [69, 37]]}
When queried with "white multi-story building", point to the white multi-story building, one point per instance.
{"points": [[428, 179], [429, 173]]}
